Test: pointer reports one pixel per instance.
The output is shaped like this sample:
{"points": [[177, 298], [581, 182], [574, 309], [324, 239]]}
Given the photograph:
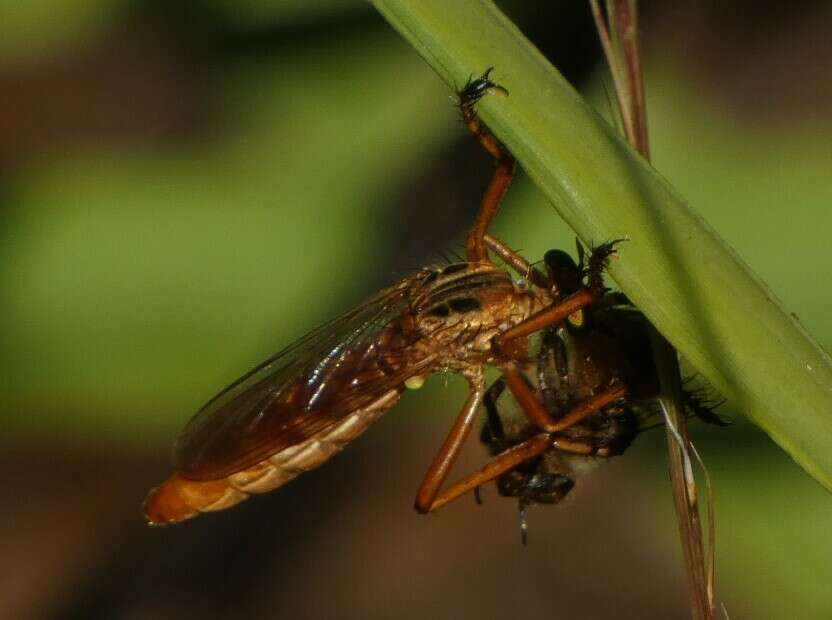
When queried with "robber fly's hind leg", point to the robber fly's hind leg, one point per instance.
{"points": [[470, 94], [496, 467], [537, 414], [511, 459], [448, 453]]}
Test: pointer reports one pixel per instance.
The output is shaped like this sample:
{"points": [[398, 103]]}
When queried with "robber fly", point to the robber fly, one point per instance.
{"points": [[603, 344], [297, 409]]}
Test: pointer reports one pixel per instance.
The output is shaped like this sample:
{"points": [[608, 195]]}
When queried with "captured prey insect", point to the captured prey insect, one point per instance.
{"points": [[298, 408], [603, 344]]}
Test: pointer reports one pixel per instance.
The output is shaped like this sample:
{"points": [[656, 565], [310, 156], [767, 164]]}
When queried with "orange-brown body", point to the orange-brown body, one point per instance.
{"points": [[180, 498], [440, 320]]}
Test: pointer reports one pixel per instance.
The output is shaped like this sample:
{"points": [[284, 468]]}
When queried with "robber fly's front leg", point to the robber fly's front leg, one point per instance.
{"points": [[519, 264], [448, 453], [470, 94], [587, 295]]}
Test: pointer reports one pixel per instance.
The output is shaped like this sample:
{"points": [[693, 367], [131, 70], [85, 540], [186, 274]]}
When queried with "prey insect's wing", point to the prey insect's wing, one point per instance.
{"points": [[341, 367]]}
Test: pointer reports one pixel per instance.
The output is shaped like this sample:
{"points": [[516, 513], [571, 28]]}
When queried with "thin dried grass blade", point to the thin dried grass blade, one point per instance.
{"points": [[711, 555], [619, 38]]}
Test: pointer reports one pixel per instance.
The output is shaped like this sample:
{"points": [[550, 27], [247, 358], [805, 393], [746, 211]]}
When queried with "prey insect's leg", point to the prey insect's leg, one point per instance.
{"points": [[493, 434], [472, 92], [494, 426], [500, 464], [448, 453], [536, 412], [597, 264]]}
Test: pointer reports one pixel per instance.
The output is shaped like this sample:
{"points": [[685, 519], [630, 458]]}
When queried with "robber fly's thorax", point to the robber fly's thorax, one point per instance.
{"points": [[461, 308]]}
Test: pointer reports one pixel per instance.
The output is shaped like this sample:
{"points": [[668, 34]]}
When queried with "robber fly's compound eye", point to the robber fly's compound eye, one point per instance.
{"points": [[563, 271], [559, 260]]}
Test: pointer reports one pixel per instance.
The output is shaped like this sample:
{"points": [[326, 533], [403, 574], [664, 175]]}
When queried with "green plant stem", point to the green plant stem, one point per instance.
{"points": [[677, 270]]}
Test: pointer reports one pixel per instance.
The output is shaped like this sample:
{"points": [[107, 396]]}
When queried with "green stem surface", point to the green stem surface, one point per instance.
{"points": [[676, 269]]}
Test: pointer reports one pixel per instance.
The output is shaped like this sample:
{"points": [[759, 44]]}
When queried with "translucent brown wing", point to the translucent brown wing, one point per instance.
{"points": [[339, 368]]}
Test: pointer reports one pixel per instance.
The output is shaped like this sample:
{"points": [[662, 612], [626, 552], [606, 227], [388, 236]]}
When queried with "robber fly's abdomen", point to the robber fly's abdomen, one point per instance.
{"points": [[179, 498]]}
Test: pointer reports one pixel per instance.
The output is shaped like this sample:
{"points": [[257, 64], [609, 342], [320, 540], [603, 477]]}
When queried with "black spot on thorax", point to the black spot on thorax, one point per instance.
{"points": [[464, 304], [454, 268], [440, 311]]}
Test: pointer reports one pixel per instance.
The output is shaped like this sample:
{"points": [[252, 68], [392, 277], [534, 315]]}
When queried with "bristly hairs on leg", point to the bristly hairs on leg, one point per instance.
{"points": [[474, 90], [455, 252], [597, 264], [700, 403]]}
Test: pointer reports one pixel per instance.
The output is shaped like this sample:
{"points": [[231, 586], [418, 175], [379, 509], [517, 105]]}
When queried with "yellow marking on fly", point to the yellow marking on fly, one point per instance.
{"points": [[576, 319], [414, 383]]}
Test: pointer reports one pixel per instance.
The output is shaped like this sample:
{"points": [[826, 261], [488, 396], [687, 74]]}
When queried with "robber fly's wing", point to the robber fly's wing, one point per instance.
{"points": [[337, 369]]}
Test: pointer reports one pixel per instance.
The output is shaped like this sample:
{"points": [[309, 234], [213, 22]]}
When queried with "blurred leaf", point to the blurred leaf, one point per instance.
{"points": [[256, 12], [776, 550], [39, 27], [139, 283], [772, 522]]}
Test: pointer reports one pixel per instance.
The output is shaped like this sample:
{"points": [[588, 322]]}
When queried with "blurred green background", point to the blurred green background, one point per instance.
{"points": [[186, 188]]}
